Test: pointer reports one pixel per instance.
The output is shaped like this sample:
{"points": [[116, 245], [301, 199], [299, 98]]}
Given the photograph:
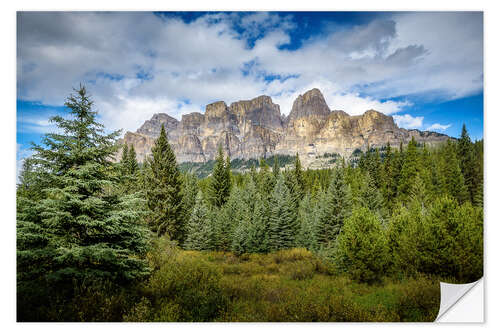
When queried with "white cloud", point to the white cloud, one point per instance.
{"points": [[356, 105], [438, 127], [201, 61], [408, 121]]}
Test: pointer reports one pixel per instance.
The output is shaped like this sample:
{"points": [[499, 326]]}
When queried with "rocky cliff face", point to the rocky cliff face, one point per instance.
{"points": [[256, 128]]}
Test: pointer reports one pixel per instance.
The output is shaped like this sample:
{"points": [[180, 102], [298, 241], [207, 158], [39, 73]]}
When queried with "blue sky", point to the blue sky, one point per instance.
{"points": [[423, 68]]}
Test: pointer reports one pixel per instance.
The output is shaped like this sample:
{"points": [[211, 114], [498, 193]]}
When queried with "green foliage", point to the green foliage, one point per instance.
{"points": [[163, 190], [452, 181], [362, 249], [409, 169], [183, 287], [220, 186], [79, 229], [334, 208], [444, 239], [200, 231], [307, 218], [283, 225], [189, 191]]}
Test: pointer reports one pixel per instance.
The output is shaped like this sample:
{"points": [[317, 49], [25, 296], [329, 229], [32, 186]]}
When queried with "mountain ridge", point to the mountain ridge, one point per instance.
{"points": [[256, 128]]}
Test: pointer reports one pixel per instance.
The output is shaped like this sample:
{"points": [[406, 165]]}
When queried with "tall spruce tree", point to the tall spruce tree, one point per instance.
{"points": [[299, 178], [307, 219], [283, 218], [266, 180], [199, 228], [80, 230], [189, 192], [124, 160], [164, 190], [335, 207], [132, 165], [220, 185], [259, 238], [452, 179], [465, 154], [409, 169], [276, 168]]}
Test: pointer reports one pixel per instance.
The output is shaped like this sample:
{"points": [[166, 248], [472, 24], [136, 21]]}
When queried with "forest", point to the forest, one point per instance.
{"points": [[102, 238]]}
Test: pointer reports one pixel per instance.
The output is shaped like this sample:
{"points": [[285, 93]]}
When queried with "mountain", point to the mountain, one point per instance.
{"points": [[256, 128]]}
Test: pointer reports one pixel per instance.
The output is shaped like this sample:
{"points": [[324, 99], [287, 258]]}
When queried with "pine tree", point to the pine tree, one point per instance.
{"points": [[241, 237], [372, 199], [282, 219], [199, 228], [163, 190], [389, 185], [189, 193], [409, 169], [307, 219], [132, 165], [266, 180], [465, 154], [124, 160], [299, 178], [315, 189], [334, 209], [220, 186], [478, 172], [276, 169], [236, 210], [79, 230], [453, 182], [259, 238]]}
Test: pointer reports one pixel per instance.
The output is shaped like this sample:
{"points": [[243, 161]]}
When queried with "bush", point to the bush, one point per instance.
{"points": [[185, 287], [362, 249], [445, 240]]}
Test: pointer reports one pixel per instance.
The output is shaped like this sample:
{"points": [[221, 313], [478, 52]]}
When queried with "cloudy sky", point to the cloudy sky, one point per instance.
{"points": [[425, 69]]}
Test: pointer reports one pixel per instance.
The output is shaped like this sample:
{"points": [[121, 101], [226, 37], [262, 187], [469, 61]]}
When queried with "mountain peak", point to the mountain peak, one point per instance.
{"points": [[312, 103]]}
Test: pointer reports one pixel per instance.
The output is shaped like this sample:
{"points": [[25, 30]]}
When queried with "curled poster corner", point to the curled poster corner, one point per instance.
{"points": [[453, 295]]}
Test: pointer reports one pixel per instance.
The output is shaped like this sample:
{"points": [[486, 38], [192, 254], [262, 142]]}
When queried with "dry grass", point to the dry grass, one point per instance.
{"points": [[291, 285]]}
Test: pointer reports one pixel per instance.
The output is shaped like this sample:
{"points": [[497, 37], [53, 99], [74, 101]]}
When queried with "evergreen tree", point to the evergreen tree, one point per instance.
{"points": [[199, 228], [307, 218], [452, 181], [266, 180], [465, 154], [334, 209], [124, 160], [259, 238], [236, 211], [389, 185], [282, 219], [315, 189], [478, 172], [276, 168], [132, 165], [372, 199], [409, 169], [78, 230], [362, 250], [220, 186], [164, 190], [241, 237], [299, 178], [189, 193]]}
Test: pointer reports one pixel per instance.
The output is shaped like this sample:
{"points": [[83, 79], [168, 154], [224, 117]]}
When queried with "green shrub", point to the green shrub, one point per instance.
{"points": [[362, 249], [186, 288]]}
